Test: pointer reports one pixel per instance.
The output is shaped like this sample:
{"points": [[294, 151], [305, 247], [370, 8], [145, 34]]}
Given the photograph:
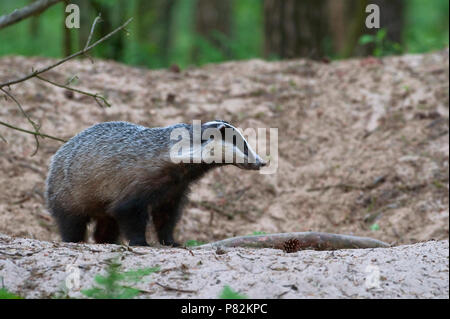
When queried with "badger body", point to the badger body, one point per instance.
{"points": [[117, 173]]}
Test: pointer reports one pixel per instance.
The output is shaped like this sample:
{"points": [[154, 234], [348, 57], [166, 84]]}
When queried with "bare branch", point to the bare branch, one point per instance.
{"points": [[33, 123], [98, 18], [96, 96], [307, 240], [20, 14], [31, 132], [37, 72]]}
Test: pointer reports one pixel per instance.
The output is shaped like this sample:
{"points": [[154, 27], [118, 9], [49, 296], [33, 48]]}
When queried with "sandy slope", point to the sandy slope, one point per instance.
{"points": [[363, 150], [361, 142], [38, 269]]}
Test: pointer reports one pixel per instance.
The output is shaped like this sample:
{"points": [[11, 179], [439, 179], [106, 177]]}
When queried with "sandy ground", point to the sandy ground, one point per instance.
{"points": [[363, 144], [38, 269]]}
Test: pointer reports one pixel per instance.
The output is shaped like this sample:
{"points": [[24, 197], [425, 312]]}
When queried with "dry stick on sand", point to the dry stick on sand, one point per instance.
{"points": [[306, 240], [36, 73]]}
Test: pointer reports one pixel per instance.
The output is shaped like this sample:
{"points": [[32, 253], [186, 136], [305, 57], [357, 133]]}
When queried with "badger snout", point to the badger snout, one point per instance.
{"points": [[256, 165], [261, 163]]}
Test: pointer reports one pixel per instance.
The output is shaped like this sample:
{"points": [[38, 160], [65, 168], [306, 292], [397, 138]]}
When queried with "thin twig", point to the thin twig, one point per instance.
{"points": [[340, 185], [33, 124], [175, 289], [98, 18], [31, 132], [34, 8], [96, 96], [378, 181], [37, 72]]}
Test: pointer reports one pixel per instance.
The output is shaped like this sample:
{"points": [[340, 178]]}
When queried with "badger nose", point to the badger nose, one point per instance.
{"points": [[261, 162]]}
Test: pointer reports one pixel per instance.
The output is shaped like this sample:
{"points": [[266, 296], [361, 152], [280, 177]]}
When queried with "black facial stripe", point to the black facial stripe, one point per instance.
{"points": [[245, 145], [228, 126]]}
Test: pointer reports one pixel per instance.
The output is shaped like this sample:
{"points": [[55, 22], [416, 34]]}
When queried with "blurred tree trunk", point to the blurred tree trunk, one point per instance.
{"points": [[145, 17], [212, 22], [295, 28], [34, 24], [154, 26], [392, 18], [354, 11], [86, 20], [166, 21], [67, 38], [111, 15], [347, 24], [33, 8], [338, 23]]}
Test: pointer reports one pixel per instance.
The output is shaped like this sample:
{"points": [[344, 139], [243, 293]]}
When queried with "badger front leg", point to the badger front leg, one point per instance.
{"points": [[165, 218], [72, 227], [132, 217]]}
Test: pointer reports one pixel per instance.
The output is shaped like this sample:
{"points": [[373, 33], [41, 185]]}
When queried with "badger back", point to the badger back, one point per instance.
{"points": [[105, 161]]}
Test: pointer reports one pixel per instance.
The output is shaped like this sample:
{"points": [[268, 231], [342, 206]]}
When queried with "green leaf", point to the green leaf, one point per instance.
{"points": [[255, 233], [111, 285], [193, 242], [137, 275], [5, 294], [381, 34], [92, 293], [375, 227], [128, 293], [228, 293], [366, 38]]}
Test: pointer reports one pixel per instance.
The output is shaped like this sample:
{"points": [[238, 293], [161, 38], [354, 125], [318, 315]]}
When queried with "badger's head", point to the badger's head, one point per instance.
{"points": [[221, 142]]}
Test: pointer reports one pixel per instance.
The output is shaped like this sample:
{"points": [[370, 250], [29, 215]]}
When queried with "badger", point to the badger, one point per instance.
{"points": [[118, 174]]}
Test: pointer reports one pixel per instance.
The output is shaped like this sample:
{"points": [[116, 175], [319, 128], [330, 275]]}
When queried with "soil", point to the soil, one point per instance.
{"points": [[363, 144], [39, 269]]}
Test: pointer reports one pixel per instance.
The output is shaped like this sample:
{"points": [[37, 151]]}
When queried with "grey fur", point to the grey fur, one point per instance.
{"points": [[114, 172]]}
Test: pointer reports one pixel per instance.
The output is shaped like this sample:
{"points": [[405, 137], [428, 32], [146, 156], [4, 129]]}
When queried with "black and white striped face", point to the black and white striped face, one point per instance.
{"points": [[223, 143]]}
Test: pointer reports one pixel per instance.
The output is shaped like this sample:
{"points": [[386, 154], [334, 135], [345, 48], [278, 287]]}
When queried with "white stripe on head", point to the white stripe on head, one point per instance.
{"points": [[250, 149]]}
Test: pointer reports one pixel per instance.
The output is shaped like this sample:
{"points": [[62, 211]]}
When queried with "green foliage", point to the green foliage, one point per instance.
{"points": [[382, 46], [438, 184], [5, 294], [22, 38], [62, 293], [193, 243], [375, 227], [112, 286], [228, 293], [255, 233], [426, 28]]}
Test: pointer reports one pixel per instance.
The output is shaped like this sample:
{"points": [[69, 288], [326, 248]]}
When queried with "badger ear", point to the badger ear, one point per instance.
{"points": [[219, 125]]}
